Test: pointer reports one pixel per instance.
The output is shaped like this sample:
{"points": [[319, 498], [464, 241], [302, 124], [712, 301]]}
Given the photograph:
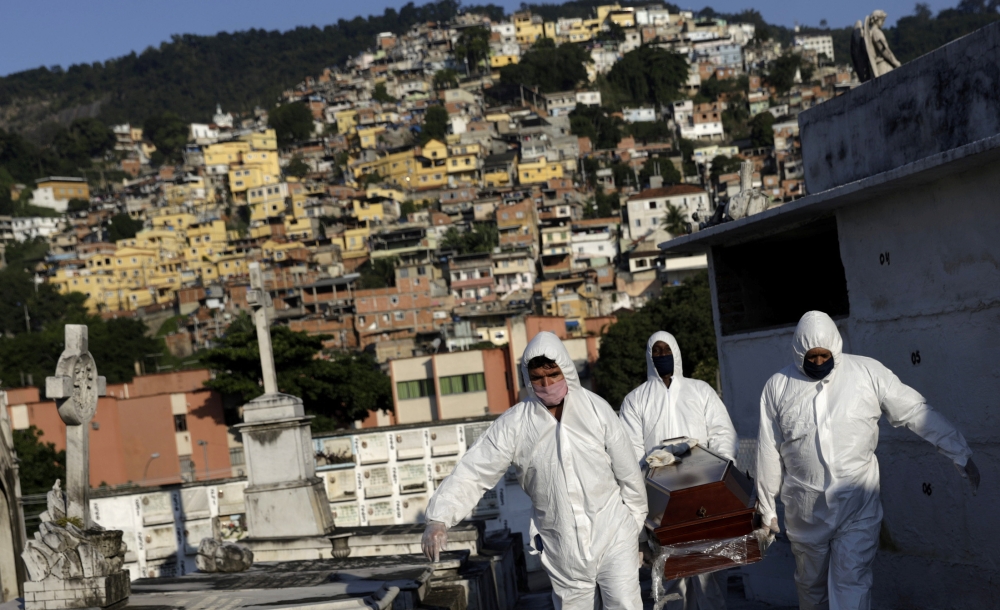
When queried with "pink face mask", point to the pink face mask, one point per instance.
{"points": [[553, 394]]}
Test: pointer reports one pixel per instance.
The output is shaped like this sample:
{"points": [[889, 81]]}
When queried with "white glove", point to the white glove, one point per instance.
{"points": [[660, 457], [434, 541], [681, 446]]}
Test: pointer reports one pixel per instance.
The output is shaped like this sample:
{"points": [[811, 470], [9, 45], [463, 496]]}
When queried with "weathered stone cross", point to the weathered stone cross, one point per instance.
{"points": [[260, 300], [75, 388]]}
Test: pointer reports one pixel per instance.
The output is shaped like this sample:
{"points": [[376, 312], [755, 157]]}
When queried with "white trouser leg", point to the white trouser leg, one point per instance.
{"points": [[618, 575], [852, 553], [812, 569]]}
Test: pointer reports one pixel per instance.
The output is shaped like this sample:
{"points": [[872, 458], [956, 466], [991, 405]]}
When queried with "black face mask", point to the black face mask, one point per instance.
{"points": [[817, 371], [664, 365]]}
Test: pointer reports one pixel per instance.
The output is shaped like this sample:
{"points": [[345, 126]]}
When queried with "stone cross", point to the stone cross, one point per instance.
{"points": [[260, 300], [75, 388]]}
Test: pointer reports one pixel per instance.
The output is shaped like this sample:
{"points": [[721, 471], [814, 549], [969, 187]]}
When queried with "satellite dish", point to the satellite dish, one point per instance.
{"points": [[436, 344]]}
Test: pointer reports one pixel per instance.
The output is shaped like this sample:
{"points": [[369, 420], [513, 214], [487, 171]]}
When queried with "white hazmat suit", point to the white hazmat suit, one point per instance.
{"points": [[653, 413], [817, 448], [587, 494]]}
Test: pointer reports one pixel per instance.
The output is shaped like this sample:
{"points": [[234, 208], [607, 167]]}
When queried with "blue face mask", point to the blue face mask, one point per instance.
{"points": [[664, 365], [817, 371]]}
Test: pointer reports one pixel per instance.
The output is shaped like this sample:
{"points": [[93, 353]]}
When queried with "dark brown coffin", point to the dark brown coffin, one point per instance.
{"points": [[704, 497]]}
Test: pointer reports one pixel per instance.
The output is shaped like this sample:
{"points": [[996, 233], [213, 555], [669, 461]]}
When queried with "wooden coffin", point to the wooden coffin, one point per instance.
{"points": [[703, 497]]}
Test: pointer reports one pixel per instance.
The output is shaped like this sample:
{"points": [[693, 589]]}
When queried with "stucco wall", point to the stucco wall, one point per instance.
{"points": [[930, 312], [935, 103]]}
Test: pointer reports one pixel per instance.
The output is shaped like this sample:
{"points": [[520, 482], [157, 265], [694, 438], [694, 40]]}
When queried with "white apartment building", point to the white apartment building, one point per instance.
{"points": [[820, 44], [639, 115], [648, 209], [588, 98], [24, 229]]}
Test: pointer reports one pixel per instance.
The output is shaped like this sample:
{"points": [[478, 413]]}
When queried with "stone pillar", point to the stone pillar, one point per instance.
{"points": [[284, 498]]}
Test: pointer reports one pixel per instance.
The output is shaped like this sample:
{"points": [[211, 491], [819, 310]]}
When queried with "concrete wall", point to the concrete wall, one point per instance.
{"points": [[935, 103], [372, 478], [923, 276]]}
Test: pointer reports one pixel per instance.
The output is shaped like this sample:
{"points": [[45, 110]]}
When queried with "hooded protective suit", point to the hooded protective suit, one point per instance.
{"points": [[587, 494], [817, 447], [653, 413]]}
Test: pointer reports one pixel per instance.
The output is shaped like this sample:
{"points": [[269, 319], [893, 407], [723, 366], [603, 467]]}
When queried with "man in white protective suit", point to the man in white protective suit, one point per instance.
{"points": [[668, 405], [818, 432], [575, 462]]}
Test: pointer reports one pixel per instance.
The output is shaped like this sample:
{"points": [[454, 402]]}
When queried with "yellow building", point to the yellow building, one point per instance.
{"points": [[65, 187], [303, 229], [224, 153], [347, 121], [539, 171], [368, 212], [368, 137], [179, 221], [230, 265], [266, 160], [528, 28], [356, 242], [265, 140]]}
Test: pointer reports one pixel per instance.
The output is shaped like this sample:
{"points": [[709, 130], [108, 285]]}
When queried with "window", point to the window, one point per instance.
{"points": [[180, 423], [361, 319], [638, 222], [394, 300], [399, 315], [236, 457], [460, 384], [407, 390], [652, 205], [421, 271]]}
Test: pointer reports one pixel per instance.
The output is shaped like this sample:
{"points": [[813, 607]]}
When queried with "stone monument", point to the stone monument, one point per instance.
{"points": [[748, 201], [72, 563], [870, 52], [284, 497]]}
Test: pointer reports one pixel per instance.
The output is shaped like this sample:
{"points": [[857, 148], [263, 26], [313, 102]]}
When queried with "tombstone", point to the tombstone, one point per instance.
{"points": [[71, 562], [284, 498]]}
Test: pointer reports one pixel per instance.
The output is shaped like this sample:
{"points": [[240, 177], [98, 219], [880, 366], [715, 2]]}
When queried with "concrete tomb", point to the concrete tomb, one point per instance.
{"points": [[71, 562]]}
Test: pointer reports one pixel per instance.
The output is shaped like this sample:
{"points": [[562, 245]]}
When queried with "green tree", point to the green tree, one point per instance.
{"points": [[39, 465], [123, 226], [381, 95], [445, 79], [406, 208], [686, 312], [169, 134], [291, 122], [649, 75], [595, 123], [84, 139], [78, 205], [435, 124], [781, 72], [548, 67], [653, 131], [473, 48], [666, 168], [377, 273], [722, 164], [674, 221], [761, 130], [339, 389], [297, 168], [483, 237]]}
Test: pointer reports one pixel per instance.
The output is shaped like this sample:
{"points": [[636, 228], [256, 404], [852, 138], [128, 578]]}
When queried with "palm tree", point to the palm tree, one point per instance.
{"points": [[674, 221]]}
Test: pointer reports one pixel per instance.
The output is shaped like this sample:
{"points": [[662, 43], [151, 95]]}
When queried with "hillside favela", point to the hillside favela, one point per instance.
{"points": [[563, 305]]}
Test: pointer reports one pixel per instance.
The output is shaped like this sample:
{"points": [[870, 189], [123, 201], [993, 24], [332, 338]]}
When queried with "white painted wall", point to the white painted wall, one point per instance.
{"points": [[937, 294]]}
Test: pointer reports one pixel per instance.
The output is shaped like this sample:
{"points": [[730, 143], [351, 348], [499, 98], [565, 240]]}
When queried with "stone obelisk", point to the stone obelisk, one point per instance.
{"points": [[284, 498]]}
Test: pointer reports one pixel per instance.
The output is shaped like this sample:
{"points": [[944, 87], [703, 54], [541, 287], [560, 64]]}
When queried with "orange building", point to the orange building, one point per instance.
{"points": [[169, 415]]}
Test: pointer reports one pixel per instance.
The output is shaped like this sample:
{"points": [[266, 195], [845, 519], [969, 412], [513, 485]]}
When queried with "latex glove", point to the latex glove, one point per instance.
{"points": [[971, 472], [681, 446], [434, 541], [773, 526], [660, 457]]}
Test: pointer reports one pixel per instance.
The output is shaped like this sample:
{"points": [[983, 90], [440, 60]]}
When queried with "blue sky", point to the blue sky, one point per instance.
{"points": [[49, 32]]}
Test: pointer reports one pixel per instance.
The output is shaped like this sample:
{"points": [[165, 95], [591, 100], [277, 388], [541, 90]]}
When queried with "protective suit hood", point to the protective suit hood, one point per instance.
{"points": [[651, 374], [548, 345], [816, 329]]}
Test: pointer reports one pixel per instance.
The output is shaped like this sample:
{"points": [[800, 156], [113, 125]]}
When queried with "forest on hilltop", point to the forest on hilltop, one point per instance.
{"points": [[190, 74]]}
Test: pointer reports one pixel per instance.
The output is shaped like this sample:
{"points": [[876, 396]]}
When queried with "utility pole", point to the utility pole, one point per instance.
{"points": [[27, 318]]}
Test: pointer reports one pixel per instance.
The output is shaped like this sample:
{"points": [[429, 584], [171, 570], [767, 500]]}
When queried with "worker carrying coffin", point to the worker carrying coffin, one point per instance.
{"points": [[818, 433], [575, 462], [669, 406]]}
